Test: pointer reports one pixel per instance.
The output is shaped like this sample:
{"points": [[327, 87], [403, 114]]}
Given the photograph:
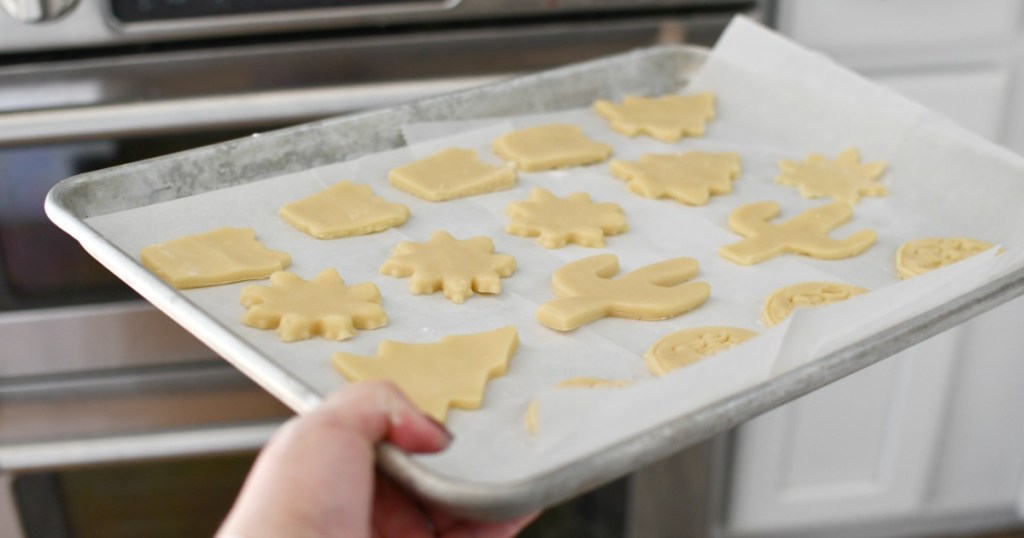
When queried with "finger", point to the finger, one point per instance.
{"points": [[487, 529], [396, 514]]}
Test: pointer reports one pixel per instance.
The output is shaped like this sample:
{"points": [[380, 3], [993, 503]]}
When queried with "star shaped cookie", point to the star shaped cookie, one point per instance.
{"points": [[556, 222], [667, 118], [690, 178], [324, 306], [458, 268], [547, 147], [844, 179]]}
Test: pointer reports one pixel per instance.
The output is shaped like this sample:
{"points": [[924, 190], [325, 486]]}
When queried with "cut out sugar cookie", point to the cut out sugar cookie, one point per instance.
{"points": [[667, 118], [324, 306], [685, 347], [690, 178], [451, 373], [844, 179], [547, 147], [219, 256], [343, 210], [556, 222], [587, 292], [456, 267], [574, 383], [922, 255], [781, 303], [452, 173], [806, 234]]}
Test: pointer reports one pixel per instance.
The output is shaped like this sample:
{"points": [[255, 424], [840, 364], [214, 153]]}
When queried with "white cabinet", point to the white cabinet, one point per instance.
{"points": [[931, 440]]}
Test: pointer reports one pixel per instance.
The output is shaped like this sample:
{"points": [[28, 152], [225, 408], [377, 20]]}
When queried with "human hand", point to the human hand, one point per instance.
{"points": [[316, 477]]}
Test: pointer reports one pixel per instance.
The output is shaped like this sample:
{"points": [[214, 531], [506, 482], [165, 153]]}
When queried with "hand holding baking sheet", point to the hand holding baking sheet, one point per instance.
{"points": [[690, 178], [806, 234], [586, 292], [556, 222], [844, 179], [301, 309], [667, 118]]}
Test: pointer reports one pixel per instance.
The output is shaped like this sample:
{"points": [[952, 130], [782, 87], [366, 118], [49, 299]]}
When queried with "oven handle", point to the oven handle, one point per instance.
{"points": [[234, 110], [45, 456]]}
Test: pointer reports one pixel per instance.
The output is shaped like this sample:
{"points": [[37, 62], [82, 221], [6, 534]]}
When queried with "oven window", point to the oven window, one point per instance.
{"points": [[40, 265]]}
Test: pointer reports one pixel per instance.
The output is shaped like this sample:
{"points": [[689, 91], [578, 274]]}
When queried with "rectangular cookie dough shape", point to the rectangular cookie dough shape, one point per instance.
{"points": [[343, 210], [449, 174], [548, 147], [219, 256]]}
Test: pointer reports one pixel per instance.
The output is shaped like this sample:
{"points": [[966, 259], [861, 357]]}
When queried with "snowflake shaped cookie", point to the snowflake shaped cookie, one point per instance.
{"points": [[844, 179], [667, 118], [324, 306], [456, 267], [556, 222], [690, 178], [547, 147]]}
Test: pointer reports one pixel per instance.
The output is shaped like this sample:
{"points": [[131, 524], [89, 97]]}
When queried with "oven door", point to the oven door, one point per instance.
{"points": [[94, 382]]}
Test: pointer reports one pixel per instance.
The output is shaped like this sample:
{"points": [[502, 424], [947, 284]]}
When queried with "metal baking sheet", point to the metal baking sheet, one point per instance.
{"points": [[651, 71]]}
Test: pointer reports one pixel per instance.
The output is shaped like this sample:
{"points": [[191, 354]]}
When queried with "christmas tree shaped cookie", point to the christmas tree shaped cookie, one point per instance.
{"points": [[219, 256], [685, 347], [550, 146], [436, 377], [587, 292], [556, 222], [690, 178], [806, 234], [458, 268], [780, 304], [452, 173], [324, 306], [343, 210], [844, 179], [667, 118], [922, 255]]}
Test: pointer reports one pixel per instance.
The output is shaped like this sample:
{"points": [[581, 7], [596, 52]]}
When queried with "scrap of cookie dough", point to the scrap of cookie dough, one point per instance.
{"points": [[805, 234], [844, 179], [685, 347], [574, 383], [667, 118], [324, 306], [458, 268], [219, 256], [781, 303], [556, 222], [547, 147], [922, 255], [343, 210], [587, 292], [451, 373], [690, 178], [452, 173]]}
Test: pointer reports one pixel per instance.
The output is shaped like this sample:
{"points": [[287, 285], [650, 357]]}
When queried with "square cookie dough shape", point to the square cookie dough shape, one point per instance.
{"points": [[343, 210], [667, 118], [548, 147], [220, 256], [449, 174]]}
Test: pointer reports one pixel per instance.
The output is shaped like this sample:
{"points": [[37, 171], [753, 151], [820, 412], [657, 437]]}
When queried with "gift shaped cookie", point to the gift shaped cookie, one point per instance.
{"points": [[343, 210], [452, 173], [547, 147], [219, 256]]}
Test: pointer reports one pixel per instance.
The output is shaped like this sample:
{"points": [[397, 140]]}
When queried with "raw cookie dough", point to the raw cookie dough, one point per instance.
{"points": [[550, 146], [450, 373], [690, 178], [444, 263], [781, 303], [844, 179], [555, 222], [806, 234], [301, 309], [685, 347], [219, 256], [667, 118], [575, 383], [343, 210], [452, 173], [922, 255], [586, 292]]}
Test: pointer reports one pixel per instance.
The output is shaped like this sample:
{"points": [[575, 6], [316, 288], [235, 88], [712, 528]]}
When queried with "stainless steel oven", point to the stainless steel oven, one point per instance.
{"points": [[113, 421]]}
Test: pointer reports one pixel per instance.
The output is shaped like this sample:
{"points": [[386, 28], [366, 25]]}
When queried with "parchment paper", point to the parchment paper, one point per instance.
{"points": [[775, 100]]}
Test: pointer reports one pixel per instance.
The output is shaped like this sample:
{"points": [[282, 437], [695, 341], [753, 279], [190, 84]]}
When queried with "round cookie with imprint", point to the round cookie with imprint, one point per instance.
{"points": [[781, 304], [919, 256], [686, 347]]}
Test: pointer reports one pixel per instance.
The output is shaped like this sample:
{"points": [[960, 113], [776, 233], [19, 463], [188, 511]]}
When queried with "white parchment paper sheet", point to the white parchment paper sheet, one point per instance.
{"points": [[775, 100]]}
